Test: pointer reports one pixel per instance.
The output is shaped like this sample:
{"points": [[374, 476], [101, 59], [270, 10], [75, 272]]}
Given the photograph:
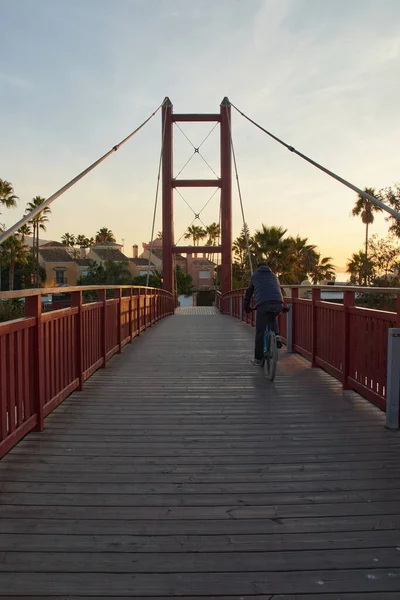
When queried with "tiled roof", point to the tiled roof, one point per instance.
{"points": [[53, 245], [107, 245], [141, 261], [83, 262], [159, 254], [203, 262], [55, 255], [110, 253]]}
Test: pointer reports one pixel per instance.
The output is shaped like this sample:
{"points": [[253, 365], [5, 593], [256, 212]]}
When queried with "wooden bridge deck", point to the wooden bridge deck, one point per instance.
{"points": [[180, 472]]}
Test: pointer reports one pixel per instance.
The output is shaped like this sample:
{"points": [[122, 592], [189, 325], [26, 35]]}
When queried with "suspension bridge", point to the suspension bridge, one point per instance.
{"points": [[144, 457]]}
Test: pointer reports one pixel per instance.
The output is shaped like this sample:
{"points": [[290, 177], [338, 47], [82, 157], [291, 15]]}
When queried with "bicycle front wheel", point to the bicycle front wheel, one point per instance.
{"points": [[271, 357]]}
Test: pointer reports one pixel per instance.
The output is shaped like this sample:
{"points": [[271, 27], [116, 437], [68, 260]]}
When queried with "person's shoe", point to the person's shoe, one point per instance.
{"points": [[279, 341], [256, 362]]}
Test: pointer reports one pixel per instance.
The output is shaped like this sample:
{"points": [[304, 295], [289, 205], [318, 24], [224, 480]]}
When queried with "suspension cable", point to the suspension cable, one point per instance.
{"points": [[155, 203], [246, 236], [356, 189], [6, 234]]}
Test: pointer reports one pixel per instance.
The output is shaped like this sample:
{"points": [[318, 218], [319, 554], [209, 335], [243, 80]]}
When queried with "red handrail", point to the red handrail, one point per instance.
{"points": [[348, 342], [47, 355]]}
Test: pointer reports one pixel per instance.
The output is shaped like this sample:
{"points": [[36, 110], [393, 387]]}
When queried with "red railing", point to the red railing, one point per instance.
{"points": [[46, 356], [348, 342]]}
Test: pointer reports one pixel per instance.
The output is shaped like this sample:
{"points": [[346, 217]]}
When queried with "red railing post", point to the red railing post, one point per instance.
{"points": [[33, 308], [76, 302], [315, 298], [118, 296], [295, 296], [130, 316], [102, 297], [138, 310], [348, 301], [145, 310]]}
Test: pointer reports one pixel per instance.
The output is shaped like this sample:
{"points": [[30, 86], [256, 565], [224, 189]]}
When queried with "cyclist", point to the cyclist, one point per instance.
{"points": [[265, 286]]}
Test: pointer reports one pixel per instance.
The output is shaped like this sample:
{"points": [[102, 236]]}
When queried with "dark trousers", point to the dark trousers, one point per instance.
{"points": [[262, 319]]}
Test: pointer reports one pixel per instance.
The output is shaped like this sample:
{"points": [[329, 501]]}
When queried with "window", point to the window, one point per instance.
{"points": [[60, 277], [204, 275]]}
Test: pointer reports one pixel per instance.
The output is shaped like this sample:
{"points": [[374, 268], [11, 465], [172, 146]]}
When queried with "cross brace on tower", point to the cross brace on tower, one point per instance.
{"points": [[224, 182]]}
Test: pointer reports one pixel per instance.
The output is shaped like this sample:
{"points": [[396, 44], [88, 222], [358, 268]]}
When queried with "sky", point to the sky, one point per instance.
{"points": [[76, 76]]}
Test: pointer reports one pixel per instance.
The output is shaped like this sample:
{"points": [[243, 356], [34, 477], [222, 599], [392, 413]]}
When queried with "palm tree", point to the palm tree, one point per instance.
{"points": [[366, 209], [105, 235], [38, 223], [7, 196], [360, 268], [299, 259], [196, 233], [269, 245], [68, 239], [24, 231], [213, 232], [322, 269], [13, 251], [84, 242]]}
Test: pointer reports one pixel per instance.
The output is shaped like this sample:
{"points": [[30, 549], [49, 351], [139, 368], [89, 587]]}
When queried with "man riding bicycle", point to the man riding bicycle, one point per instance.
{"points": [[268, 299]]}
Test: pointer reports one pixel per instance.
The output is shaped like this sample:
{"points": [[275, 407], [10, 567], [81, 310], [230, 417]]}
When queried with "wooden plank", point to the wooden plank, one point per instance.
{"points": [[203, 481], [201, 584], [116, 484], [199, 562], [74, 526], [209, 513], [17, 542], [122, 499]]}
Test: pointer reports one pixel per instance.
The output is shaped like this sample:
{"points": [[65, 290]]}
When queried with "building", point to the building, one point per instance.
{"points": [[104, 252], [61, 268], [200, 268]]}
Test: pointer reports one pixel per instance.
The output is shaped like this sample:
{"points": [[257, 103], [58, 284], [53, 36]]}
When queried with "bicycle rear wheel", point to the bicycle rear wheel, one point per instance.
{"points": [[271, 357]]}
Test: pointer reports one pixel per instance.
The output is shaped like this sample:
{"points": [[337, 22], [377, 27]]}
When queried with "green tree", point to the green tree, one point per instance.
{"points": [[13, 251], [155, 280], [270, 245], [385, 254], [299, 259], [184, 283], [105, 235], [22, 273], [213, 232], [241, 266], [24, 231], [68, 239], [39, 223], [360, 268], [196, 233], [84, 242], [366, 209], [322, 269], [391, 195], [7, 197], [111, 273]]}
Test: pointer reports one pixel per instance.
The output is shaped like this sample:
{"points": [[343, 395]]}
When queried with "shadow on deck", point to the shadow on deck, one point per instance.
{"points": [[181, 472]]}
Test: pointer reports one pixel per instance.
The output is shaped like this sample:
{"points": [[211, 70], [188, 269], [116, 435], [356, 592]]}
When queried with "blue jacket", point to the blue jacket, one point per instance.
{"points": [[265, 286]]}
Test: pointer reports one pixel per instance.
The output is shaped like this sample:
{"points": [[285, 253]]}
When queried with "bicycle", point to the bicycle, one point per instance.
{"points": [[270, 357]]}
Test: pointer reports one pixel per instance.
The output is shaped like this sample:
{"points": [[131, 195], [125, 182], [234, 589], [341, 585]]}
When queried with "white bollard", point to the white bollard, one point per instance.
{"points": [[393, 379]]}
